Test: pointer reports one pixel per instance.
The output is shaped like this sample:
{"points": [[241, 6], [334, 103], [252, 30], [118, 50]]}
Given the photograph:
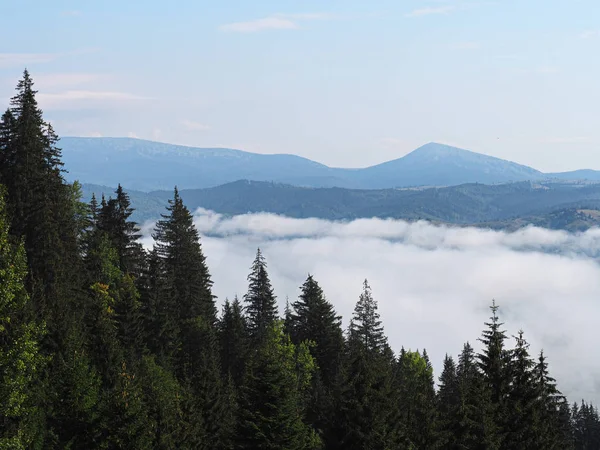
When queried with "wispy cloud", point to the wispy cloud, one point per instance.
{"points": [[195, 126], [431, 10], [588, 34], [267, 23], [279, 21], [465, 46], [76, 99], [53, 80], [8, 60]]}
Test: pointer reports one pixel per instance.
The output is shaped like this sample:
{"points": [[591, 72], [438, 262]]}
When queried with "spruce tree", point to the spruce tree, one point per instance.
{"points": [[448, 398], [477, 427], [552, 410], [21, 361], [365, 326], [314, 319], [40, 204], [261, 308], [521, 411], [271, 406], [366, 403], [493, 363], [233, 339], [416, 397], [188, 297], [114, 219]]}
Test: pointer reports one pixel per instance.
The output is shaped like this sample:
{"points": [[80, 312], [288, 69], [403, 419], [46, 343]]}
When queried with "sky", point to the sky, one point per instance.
{"points": [[347, 83], [433, 284]]}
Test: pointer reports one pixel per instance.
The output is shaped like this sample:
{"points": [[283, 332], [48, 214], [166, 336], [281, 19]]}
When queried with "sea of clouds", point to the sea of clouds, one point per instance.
{"points": [[434, 284]]}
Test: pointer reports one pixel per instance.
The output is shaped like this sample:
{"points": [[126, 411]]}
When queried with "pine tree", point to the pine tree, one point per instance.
{"points": [[114, 219], [365, 326], [493, 362], [261, 308], [233, 338], [21, 361], [416, 397], [366, 404], [39, 203], [271, 407], [449, 404], [552, 410], [477, 429], [188, 299], [521, 414], [314, 319]]}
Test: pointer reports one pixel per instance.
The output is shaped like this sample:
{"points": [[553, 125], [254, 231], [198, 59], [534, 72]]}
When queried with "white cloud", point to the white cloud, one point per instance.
{"points": [[431, 10], [433, 284], [279, 21], [306, 16], [72, 13], [195, 126], [76, 99], [267, 23], [8, 60], [131, 134], [589, 34], [53, 80]]}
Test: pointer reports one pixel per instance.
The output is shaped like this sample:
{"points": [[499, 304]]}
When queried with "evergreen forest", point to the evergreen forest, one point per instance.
{"points": [[107, 345]]}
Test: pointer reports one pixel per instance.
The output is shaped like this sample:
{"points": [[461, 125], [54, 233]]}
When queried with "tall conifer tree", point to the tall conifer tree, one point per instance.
{"points": [[261, 308]]}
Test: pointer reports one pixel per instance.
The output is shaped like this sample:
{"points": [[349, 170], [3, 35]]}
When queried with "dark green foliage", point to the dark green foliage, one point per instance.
{"points": [[416, 396], [449, 403], [21, 361], [366, 403], [113, 219], [271, 413], [510, 206], [233, 338], [261, 308], [188, 305], [366, 329], [313, 318], [476, 426]]}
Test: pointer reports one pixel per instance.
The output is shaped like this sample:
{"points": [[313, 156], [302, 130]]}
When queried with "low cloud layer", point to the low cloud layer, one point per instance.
{"points": [[433, 284]]}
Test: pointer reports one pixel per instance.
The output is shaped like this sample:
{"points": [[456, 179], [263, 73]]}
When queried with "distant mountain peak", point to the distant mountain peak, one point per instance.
{"points": [[148, 166], [437, 149]]}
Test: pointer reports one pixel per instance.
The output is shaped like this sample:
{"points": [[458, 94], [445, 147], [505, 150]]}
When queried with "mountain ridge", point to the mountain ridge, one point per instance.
{"points": [[158, 166]]}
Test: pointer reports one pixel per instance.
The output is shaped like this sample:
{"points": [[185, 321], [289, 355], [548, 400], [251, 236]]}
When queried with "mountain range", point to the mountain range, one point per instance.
{"points": [[504, 206], [146, 166]]}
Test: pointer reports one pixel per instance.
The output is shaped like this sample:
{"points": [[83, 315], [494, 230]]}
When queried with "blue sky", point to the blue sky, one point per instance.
{"points": [[347, 83]]}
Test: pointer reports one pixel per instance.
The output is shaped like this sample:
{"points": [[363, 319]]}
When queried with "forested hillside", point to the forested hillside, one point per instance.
{"points": [[551, 205], [106, 345]]}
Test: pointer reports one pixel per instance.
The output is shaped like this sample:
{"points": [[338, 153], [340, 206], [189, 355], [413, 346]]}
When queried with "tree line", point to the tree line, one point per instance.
{"points": [[106, 345]]}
